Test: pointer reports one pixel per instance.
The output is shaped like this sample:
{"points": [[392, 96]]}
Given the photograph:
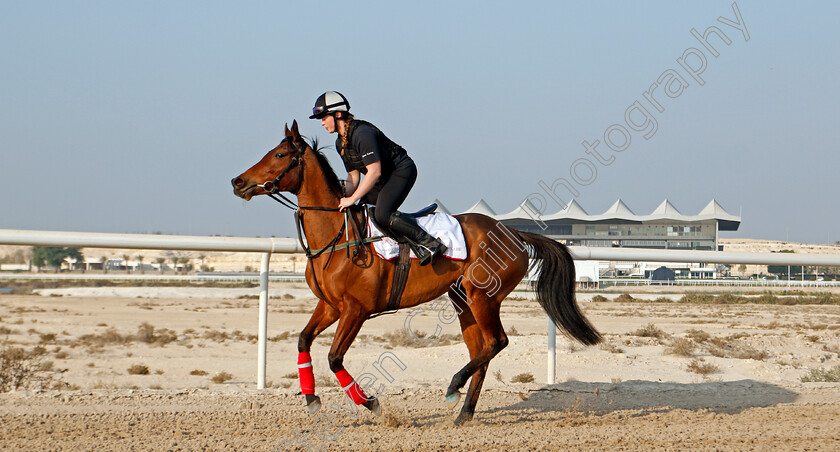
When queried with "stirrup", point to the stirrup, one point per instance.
{"points": [[426, 255]]}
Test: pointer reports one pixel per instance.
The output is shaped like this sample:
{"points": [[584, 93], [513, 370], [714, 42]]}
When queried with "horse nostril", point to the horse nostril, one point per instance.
{"points": [[237, 182]]}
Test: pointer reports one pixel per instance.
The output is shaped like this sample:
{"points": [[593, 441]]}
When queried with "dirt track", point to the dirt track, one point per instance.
{"points": [[630, 394], [570, 416]]}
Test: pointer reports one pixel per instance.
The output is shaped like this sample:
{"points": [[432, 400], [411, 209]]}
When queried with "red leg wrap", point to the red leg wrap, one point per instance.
{"points": [[348, 384], [307, 377]]}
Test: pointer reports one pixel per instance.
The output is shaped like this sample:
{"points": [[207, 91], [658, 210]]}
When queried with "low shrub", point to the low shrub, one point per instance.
{"points": [[522, 378], [649, 330], [624, 298], [138, 369], [698, 335], [24, 369], [681, 347], [831, 375], [699, 366], [221, 377]]}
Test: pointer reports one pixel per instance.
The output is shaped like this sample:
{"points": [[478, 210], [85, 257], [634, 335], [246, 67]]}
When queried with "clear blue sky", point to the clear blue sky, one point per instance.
{"points": [[134, 116]]}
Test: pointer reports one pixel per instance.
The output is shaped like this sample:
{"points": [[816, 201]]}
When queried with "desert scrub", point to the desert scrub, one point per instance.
{"points": [[698, 298], [216, 336], [699, 366], [625, 298], [650, 330], [610, 347], [138, 369], [831, 375], [766, 298], [599, 298], [280, 337], [151, 335], [522, 378], [681, 347], [198, 372], [749, 353], [4, 331], [24, 369], [221, 377], [698, 335], [417, 339], [110, 336]]}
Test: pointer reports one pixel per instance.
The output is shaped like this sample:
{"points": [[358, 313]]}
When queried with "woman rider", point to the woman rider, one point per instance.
{"points": [[389, 172]]}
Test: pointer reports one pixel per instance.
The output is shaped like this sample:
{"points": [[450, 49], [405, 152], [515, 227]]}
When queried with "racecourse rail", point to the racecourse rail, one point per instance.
{"points": [[267, 246]]}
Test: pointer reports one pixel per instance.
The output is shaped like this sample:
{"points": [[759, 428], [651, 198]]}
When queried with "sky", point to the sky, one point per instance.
{"points": [[134, 116]]}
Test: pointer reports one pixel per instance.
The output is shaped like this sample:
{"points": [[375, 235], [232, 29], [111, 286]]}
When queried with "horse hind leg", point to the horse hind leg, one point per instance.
{"points": [[485, 338]]}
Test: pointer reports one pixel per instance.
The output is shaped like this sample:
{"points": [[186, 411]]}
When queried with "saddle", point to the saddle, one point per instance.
{"points": [[428, 210], [403, 263]]}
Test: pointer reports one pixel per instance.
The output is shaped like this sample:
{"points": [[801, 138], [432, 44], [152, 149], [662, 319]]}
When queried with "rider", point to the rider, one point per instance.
{"points": [[389, 172]]}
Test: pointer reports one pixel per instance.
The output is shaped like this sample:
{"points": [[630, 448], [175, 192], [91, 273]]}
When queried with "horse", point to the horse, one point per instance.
{"points": [[352, 289]]}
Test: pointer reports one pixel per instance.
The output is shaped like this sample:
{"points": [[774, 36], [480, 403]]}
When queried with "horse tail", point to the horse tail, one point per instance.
{"points": [[555, 287]]}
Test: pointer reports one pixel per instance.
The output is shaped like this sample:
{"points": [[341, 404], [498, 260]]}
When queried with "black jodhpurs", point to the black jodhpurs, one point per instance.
{"points": [[388, 197]]}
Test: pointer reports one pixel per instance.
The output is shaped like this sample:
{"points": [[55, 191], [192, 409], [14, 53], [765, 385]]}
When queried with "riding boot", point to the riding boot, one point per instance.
{"points": [[424, 245]]}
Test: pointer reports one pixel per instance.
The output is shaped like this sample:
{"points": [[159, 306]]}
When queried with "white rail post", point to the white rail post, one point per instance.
{"points": [[261, 352], [552, 351]]}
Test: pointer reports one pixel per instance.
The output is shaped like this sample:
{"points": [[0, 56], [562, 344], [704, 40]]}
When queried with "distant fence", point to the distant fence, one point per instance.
{"points": [[717, 282], [266, 246]]}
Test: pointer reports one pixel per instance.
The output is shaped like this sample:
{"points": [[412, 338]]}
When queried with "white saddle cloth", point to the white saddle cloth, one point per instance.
{"points": [[444, 227]]}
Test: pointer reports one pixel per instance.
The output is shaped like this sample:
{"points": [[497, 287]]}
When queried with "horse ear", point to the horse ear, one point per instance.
{"points": [[288, 132], [295, 132]]}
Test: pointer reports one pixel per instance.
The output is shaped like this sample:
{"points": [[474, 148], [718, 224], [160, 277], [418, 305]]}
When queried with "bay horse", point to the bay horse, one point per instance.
{"points": [[350, 290]]}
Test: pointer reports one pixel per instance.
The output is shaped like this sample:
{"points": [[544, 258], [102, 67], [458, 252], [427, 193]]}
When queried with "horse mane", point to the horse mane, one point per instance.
{"points": [[332, 179]]}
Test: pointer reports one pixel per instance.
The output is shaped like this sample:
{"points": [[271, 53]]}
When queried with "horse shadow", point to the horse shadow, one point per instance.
{"points": [[646, 397]]}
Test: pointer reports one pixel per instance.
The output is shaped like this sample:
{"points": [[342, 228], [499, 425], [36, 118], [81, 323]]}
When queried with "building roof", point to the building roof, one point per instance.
{"points": [[441, 208], [618, 211], [481, 207], [519, 212]]}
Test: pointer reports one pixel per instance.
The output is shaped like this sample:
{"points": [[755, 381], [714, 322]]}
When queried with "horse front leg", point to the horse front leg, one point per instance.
{"points": [[321, 319], [348, 327]]}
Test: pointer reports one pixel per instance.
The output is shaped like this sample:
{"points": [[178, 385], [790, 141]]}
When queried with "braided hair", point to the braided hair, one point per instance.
{"points": [[344, 136]]}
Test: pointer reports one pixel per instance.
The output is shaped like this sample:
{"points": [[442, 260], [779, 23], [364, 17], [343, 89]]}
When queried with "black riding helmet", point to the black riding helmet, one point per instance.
{"points": [[329, 103]]}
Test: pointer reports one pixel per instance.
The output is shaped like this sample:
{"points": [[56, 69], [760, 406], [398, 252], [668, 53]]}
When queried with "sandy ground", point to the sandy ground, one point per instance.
{"points": [[633, 393]]}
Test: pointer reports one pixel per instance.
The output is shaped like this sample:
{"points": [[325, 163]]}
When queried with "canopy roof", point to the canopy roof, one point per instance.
{"points": [[618, 211]]}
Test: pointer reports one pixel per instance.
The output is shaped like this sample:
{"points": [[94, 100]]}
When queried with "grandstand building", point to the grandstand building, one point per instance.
{"points": [[664, 228]]}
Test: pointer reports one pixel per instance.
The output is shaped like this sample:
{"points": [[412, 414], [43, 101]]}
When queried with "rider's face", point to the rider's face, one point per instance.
{"points": [[328, 122]]}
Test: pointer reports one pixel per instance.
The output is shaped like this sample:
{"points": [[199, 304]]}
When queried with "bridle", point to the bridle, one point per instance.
{"points": [[271, 188]]}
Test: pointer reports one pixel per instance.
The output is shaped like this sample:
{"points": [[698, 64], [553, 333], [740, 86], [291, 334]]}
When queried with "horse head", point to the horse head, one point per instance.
{"points": [[280, 169]]}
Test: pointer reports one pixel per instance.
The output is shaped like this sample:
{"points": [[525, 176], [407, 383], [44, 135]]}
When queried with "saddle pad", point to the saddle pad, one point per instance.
{"points": [[444, 227]]}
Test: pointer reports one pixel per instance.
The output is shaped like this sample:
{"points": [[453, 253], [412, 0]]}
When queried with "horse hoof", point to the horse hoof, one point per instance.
{"points": [[373, 406], [313, 404], [462, 419], [453, 399]]}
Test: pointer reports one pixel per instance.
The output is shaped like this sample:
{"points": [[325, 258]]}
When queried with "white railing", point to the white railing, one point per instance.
{"points": [[286, 245]]}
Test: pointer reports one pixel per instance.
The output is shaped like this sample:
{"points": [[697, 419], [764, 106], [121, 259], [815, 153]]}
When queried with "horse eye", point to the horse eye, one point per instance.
{"points": [[279, 155]]}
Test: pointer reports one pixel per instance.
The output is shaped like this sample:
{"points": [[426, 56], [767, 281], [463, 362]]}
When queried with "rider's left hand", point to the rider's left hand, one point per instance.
{"points": [[345, 203]]}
